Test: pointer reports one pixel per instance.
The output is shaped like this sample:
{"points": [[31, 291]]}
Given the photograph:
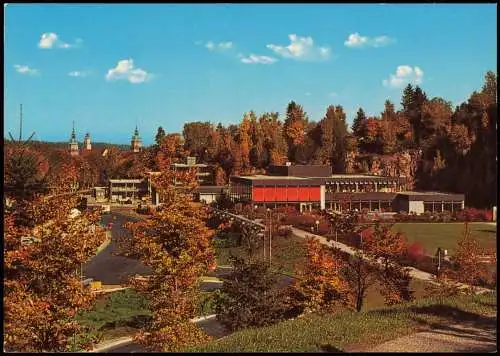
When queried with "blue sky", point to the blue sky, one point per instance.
{"points": [[110, 66]]}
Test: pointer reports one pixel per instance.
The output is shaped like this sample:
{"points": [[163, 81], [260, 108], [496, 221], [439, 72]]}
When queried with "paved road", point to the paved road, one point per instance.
{"points": [[211, 326], [115, 270], [108, 267]]}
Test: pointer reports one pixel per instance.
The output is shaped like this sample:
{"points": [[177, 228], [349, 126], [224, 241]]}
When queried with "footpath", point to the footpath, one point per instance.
{"points": [[414, 273], [126, 340], [463, 337]]}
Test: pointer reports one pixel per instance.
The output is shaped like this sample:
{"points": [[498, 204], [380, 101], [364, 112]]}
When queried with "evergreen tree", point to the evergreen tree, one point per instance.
{"points": [[160, 134], [358, 123], [407, 99]]}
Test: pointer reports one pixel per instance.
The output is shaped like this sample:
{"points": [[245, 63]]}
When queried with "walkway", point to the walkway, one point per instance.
{"points": [[463, 337], [208, 323], [414, 273]]}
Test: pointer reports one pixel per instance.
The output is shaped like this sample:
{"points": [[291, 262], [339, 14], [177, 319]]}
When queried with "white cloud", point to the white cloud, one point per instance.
{"points": [[51, 40], [226, 45], [222, 46], [404, 75], [125, 70], [48, 40], [77, 73], [301, 48], [25, 70], [253, 58], [355, 40]]}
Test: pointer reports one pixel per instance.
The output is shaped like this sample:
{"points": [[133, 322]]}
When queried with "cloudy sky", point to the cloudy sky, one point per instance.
{"points": [[108, 67]]}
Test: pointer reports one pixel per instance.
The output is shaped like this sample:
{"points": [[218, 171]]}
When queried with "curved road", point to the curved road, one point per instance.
{"points": [[108, 267], [211, 326]]}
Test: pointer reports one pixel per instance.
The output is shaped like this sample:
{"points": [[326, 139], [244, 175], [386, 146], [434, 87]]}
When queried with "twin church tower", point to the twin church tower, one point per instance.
{"points": [[135, 144]]}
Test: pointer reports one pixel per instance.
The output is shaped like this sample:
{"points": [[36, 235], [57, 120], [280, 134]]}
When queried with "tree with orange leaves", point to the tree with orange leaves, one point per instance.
{"points": [[44, 248], [244, 142], [319, 284], [468, 267], [385, 246], [176, 244], [294, 126]]}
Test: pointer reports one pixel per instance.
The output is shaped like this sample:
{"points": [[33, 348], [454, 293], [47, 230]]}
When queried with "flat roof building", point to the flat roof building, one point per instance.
{"points": [[308, 187]]}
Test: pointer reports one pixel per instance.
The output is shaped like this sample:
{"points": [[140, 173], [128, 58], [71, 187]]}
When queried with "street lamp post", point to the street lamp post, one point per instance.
{"points": [[270, 234], [317, 226], [439, 251]]}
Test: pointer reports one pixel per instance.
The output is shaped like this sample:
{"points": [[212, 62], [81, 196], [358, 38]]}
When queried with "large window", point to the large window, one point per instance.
{"points": [[365, 205], [457, 206], [438, 206], [428, 206], [385, 206]]}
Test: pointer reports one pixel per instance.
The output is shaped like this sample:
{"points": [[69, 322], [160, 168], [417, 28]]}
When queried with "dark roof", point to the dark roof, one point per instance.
{"points": [[359, 196], [211, 189], [431, 196], [261, 180], [300, 170]]}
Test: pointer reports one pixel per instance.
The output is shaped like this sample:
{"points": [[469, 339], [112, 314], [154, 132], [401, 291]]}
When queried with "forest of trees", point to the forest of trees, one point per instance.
{"points": [[436, 146], [45, 244]]}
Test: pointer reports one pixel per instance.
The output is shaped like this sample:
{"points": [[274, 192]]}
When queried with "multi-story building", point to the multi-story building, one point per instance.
{"points": [[205, 173], [123, 190], [307, 187]]}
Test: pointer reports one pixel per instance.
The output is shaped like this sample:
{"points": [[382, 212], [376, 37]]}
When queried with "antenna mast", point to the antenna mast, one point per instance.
{"points": [[20, 122]]}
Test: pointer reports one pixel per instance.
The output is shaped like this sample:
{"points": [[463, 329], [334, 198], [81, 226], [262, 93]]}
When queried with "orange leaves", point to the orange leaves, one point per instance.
{"points": [[382, 242], [467, 257], [295, 132], [320, 285], [175, 243], [42, 286]]}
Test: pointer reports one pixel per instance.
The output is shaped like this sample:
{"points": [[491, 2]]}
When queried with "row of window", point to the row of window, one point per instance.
{"points": [[439, 206]]}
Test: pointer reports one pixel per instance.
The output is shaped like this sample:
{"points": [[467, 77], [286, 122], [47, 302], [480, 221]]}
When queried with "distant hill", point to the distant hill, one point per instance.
{"points": [[95, 145]]}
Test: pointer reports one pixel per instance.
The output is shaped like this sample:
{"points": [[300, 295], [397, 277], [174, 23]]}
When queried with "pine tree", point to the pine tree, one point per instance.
{"points": [[407, 99], [160, 134], [358, 123]]}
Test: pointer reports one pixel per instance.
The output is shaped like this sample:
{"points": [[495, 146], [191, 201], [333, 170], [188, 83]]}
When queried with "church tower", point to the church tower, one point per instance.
{"points": [[86, 143], [73, 143], [136, 141]]}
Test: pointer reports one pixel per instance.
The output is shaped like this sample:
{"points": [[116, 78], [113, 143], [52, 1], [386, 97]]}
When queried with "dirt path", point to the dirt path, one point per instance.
{"points": [[447, 338]]}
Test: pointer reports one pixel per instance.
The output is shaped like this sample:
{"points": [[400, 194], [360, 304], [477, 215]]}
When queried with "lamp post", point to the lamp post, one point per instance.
{"points": [[270, 234], [317, 226], [439, 251]]}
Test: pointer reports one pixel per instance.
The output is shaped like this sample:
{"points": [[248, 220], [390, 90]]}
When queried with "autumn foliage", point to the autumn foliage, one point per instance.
{"points": [[320, 284], [176, 244], [42, 286]]}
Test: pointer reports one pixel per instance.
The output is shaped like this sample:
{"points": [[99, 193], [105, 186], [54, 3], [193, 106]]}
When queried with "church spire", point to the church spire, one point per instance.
{"points": [[73, 135], [136, 141], [73, 143]]}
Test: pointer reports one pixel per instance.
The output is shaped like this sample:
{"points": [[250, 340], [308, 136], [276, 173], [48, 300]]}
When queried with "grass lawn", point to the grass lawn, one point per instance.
{"points": [[289, 252], [349, 331], [374, 299], [285, 252], [124, 308], [434, 235]]}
